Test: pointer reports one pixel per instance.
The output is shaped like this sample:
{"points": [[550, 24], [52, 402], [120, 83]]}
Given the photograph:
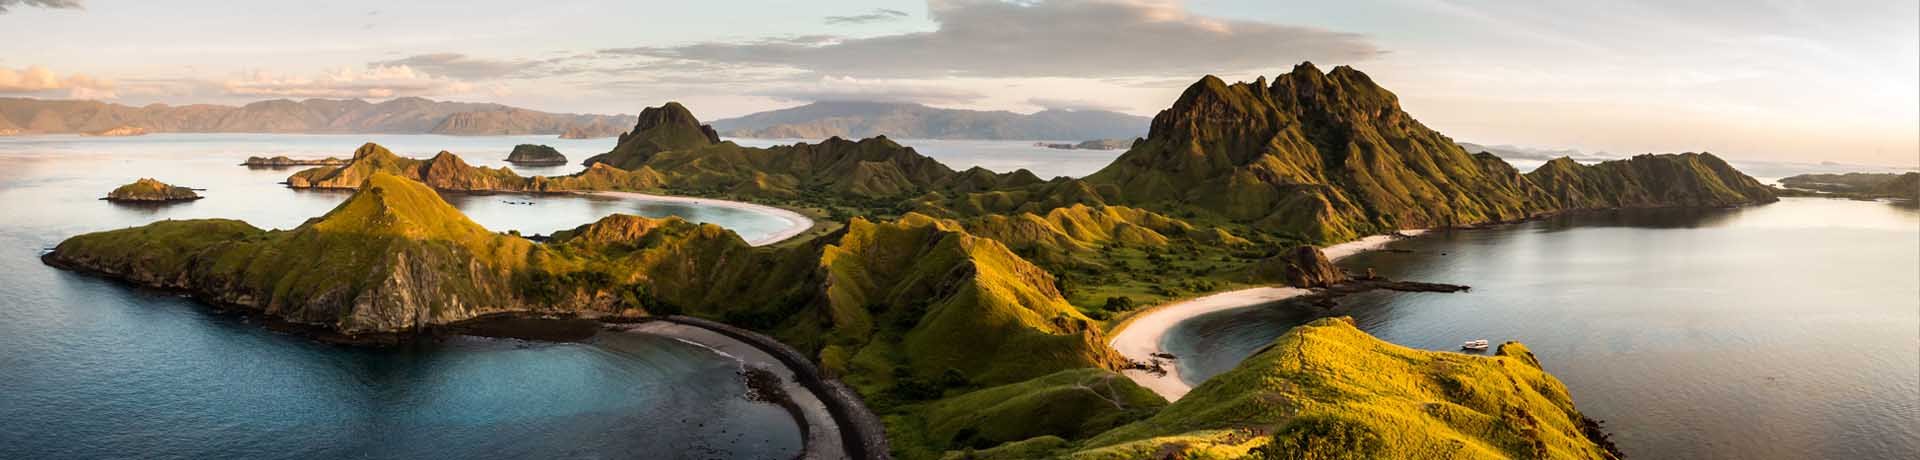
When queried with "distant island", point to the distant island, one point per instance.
{"points": [[851, 119], [535, 155], [283, 161], [1096, 144], [406, 115], [1904, 188], [147, 190], [974, 309]]}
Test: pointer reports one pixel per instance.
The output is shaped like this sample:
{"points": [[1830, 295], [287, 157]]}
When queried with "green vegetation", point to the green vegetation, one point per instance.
{"points": [[1328, 390], [1071, 404], [966, 306], [149, 190], [1902, 187]]}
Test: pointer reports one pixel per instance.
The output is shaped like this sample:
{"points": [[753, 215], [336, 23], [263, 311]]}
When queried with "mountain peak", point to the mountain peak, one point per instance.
{"points": [[676, 117], [390, 205], [667, 127]]}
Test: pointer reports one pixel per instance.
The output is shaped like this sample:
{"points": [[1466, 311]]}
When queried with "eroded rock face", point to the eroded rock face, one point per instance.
{"points": [[536, 155], [152, 191], [1303, 266]]}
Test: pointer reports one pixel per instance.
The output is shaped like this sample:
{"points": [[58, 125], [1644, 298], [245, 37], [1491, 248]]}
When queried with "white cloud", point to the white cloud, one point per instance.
{"points": [[854, 89], [375, 82], [456, 65], [1058, 38], [36, 79], [7, 5]]}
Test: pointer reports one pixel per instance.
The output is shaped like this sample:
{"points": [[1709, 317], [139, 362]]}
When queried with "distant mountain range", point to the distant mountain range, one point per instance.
{"points": [[1528, 153], [821, 120], [407, 115]]}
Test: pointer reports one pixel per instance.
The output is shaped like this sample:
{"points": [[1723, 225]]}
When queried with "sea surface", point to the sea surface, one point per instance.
{"points": [[997, 156], [91, 368], [1788, 330]]}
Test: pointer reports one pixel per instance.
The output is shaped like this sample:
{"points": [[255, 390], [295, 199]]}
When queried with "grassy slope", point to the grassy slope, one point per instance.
{"points": [[1327, 388]]}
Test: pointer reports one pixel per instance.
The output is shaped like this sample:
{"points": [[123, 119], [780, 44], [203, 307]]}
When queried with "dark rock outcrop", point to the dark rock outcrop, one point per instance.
{"points": [[148, 190], [1303, 266], [535, 155]]}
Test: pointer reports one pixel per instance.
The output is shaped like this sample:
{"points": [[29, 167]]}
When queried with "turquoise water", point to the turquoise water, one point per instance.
{"points": [[1789, 330], [91, 368]]}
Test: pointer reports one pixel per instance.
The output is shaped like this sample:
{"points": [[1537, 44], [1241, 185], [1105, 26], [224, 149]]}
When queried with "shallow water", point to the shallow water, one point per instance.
{"points": [[1790, 330], [91, 368]]}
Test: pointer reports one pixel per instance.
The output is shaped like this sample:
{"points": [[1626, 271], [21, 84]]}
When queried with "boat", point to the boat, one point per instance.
{"points": [[1478, 344]]}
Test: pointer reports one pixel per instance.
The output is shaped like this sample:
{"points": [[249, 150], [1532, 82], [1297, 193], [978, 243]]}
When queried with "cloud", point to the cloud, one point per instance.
{"points": [[7, 5], [456, 65], [877, 15], [1074, 104], [1059, 38], [376, 82], [852, 89], [35, 79]]}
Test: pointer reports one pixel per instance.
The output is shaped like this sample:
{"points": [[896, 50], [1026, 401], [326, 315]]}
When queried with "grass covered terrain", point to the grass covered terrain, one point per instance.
{"points": [[968, 306], [1328, 390]]}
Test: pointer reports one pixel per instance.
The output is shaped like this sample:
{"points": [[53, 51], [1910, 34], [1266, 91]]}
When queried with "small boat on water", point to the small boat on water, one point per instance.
{"points": [[1479, 344]]}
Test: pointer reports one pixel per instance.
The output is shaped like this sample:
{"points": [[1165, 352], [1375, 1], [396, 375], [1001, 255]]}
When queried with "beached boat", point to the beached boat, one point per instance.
{"points": [[1480, 344]]}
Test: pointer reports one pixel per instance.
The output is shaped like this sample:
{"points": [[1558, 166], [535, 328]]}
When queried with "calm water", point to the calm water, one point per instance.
{"points": [[91, 368], [999, 156], [1790, 330]]}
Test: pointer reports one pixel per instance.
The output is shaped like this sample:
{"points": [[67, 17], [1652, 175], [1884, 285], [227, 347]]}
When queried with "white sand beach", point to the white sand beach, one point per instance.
{"points": [[797, 223], [1139, 338]]}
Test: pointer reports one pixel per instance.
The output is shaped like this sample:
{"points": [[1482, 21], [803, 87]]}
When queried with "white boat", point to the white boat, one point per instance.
{"points": [[1480, 344]]}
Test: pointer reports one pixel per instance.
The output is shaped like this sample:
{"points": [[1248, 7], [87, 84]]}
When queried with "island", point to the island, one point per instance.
{"points": [[283, 161], [1096, 144], [975, 311], [535, 155], [1902, 188], [147, 190]]}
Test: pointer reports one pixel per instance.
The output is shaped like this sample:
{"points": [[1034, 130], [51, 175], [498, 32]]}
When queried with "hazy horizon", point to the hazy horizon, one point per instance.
{"points": [[1782, 81]]}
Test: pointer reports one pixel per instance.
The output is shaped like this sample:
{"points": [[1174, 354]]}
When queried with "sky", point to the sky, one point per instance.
{"points": [[1760, 80]]}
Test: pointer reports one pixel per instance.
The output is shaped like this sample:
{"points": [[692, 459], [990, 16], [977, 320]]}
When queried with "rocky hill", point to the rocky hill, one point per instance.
{"points": [[850, 119], [1328, 157], [151, 191], [407, 115]]}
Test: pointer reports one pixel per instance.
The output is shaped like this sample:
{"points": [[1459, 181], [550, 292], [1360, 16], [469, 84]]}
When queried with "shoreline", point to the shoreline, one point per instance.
{"points": [[1143, 335], [834, 421], [798, 224]]}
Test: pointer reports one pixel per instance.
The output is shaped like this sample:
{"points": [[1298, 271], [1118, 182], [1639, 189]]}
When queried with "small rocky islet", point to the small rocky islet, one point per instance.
{"points": [[964, 305], [535, 155], [148, 190]]}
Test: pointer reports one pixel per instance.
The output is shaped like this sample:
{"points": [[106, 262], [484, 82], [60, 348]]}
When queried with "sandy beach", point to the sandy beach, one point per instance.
{"points": [[1139, 338], [797, 223]]}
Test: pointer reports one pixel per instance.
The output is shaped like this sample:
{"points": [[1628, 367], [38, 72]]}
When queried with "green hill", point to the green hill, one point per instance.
{"points": [[1328, 157], [1328, 390]]}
